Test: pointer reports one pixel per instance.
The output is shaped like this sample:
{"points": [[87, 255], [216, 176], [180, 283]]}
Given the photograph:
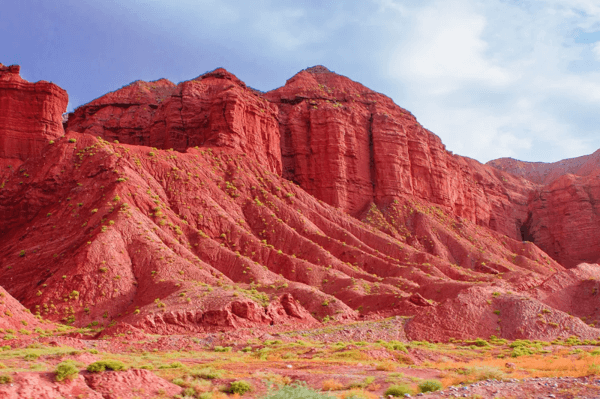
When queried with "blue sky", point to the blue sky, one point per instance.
{"points": [[492, 78]]}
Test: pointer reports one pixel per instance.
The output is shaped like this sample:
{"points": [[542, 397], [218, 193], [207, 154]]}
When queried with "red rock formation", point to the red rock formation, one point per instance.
{"points": [[130, 383], [350, 146], [564, 217], [211, 239], [30, 116], [43, 385], [486, 311], [13, 316], [546, 173], [215, 109], [563, 209]]}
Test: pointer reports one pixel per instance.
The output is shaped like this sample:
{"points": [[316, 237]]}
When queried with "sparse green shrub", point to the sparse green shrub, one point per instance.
{"points": [[66, 371], [239, 387], [222, 348], [179, 381], [296, 391], [393, 345], [103, 365], [72, 140], [207, 373], [521, 351], [5, 379], [430, 386], [174, 365], [398, 390], [361, 384]]}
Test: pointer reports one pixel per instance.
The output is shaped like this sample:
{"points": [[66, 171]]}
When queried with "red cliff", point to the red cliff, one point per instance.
{"points": [[564, 207], [214, 109], [351, 146], [30, 116], [547, 172], [173, 209], [564, 217]]}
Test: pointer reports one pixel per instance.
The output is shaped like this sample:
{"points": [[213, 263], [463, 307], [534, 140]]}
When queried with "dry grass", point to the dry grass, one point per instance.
{"points": [[357, 393], [332, 385], [386, 366], [558, 364]]}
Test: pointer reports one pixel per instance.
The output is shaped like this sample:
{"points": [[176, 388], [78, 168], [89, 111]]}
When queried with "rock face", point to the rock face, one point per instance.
{"points": [[564, 217], [172, 208], [13, 316], [215, 109], [563, 208], [350, 146], [30, 116], [546, 173]]}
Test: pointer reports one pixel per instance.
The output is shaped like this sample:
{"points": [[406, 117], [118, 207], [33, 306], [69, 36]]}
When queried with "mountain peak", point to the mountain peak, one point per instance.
{"points": [[318, 69]]}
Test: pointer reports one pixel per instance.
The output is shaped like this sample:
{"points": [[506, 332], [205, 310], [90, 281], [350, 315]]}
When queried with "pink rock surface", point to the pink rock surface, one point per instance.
{"points": [[564, 217], [131, 384], [30, 116], [43, 386], [350, 146], [215, 109], [216, 238], [547, 172]]}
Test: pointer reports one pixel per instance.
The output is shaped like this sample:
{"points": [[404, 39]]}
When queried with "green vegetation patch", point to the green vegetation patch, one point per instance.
{"points": [[103, 365]]}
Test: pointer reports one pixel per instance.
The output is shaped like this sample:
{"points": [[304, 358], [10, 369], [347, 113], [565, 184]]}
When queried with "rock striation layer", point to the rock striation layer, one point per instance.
{"points": [[213, 109], [30, 116], [350, 146], [209, 207], [563, 209], [547, 172], [564, 217]]}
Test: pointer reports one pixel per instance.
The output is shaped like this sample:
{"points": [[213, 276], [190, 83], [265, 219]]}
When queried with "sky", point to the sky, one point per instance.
{"points": [[492, 78]]}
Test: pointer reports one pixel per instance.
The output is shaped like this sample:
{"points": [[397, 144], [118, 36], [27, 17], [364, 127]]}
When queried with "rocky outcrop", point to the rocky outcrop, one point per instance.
{"points": [[130, 384], [14, 316], [564, 217], [486, 311], [350, 146], [30, 116], [171, 208], [563, 208], [547, 172], [215, 109]]}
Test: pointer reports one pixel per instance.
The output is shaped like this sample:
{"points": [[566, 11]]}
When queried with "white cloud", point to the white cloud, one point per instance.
{"points": [[596, 50], [446, 49], [493, 79]]}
